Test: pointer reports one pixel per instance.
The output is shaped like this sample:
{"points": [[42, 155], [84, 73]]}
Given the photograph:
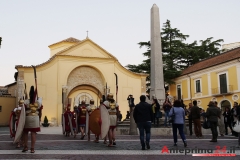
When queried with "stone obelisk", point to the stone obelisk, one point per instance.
{"points": [[157, 81]]}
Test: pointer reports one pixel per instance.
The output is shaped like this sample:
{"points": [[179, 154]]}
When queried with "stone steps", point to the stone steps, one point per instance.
{"points": [[126, 123]]}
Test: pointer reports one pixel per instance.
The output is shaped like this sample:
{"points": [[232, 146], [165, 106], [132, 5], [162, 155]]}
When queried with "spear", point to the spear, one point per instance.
{"points": [[116, 85], [35, 77]]}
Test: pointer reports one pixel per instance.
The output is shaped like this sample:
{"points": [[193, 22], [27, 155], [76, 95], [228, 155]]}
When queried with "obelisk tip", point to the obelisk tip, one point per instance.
{"points": [[154, 5]]}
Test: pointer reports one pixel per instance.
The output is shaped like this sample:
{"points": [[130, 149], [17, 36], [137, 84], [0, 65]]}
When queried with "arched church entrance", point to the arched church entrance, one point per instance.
{"points": [[86, 93], [85, 83], [83, 96], [224, 104]]}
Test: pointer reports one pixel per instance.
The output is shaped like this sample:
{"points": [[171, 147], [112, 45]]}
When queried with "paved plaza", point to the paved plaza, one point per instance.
{"points": [[51, 144]]}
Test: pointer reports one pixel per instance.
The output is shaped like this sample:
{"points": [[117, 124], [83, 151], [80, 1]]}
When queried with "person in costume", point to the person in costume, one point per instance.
{"points": [[112, 108], [68, 116], [74, 122], [33, 107], [16, 113], [82, 109], [90, 109]]}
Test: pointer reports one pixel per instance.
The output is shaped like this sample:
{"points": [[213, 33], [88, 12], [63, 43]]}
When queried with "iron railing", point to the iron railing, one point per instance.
{"points": [[223, 90]]}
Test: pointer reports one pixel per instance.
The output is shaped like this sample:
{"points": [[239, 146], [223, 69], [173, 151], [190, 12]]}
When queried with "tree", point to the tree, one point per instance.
{"points": [[177, 54], [172, 48]]}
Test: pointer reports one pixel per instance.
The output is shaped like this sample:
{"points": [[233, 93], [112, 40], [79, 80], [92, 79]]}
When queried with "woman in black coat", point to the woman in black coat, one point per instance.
{"points": [[227, 120], [156, 111]]}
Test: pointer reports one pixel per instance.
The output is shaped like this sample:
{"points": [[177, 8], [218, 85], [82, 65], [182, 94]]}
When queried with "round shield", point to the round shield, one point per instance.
{"points": [[21, 123], [95, 122], [12, 127], [105, 123]]}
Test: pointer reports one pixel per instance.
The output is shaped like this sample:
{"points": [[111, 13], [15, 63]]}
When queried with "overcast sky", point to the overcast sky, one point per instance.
{"points": [[28, 27]]}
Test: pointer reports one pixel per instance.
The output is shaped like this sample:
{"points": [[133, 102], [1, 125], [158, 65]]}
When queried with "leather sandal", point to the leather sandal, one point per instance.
{"points": [[110, 145], [25, 149], [32, 150], [18, 145], [96, 141]]}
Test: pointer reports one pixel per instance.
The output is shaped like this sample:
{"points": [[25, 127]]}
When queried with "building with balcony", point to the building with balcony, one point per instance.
{"points": [[213, 79]]}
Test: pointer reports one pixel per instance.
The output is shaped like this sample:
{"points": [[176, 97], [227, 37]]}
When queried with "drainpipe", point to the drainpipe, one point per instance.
{"points": [[190, 88]]}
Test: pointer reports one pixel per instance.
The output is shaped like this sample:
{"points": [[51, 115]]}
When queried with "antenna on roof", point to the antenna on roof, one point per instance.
{"points": [[87, 34]]}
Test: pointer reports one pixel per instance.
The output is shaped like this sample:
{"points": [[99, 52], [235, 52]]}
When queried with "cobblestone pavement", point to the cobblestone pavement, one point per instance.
{"points": [[57, 146]]}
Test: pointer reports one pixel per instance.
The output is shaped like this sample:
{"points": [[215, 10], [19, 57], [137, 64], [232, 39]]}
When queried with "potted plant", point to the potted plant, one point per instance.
{"points": [[45, 122]]}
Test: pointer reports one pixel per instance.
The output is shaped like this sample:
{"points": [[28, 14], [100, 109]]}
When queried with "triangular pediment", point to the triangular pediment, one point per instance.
{"points": [[86, 48]]}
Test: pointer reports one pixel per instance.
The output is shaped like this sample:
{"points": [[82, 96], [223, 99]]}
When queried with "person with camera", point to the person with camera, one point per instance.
{"points": [[166, 107], [130, 101]]}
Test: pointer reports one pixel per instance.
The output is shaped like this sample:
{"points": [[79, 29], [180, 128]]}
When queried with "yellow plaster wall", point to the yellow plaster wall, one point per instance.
{"points": [[214, 80], [8, 104], [185, 89], [87, 49], [204, 83], [59, 47], [232, 74], [173, 90], [193, 90]]}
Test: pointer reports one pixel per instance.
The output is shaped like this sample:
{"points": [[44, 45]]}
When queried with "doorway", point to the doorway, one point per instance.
{"points": [[224, 104]]}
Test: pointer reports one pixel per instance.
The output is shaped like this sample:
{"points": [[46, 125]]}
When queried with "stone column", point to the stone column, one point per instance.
{"points": [[157, 81], [133, 125], [64, 90], [20, 86]]}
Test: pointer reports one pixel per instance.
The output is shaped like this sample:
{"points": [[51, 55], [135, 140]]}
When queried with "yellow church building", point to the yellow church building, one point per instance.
{"points": [[213, 79], [79, 70]]}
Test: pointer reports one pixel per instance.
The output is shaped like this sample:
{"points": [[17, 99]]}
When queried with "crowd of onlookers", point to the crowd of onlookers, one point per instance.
{"points": [[216, 119]]}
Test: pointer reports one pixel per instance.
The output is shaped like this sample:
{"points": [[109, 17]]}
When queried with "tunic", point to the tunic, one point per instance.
{"points": [[82, 116], [32, 122], [112, 108]]}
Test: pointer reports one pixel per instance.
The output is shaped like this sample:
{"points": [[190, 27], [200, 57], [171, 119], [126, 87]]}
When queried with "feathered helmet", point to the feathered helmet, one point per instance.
{"points": [[83, 102], [68, 107], [91, 101], [31, 95], [110, 96], [21, 102]]}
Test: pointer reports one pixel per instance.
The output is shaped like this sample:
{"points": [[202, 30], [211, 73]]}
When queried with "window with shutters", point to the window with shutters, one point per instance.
{"points": [[198, 86], [179, 92], [223, 83]]}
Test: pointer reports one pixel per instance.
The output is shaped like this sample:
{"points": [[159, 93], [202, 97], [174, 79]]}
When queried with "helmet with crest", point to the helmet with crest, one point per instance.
{"points": [[110, 96]]}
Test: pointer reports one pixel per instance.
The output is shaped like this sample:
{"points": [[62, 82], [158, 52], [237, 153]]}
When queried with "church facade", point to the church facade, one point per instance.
{"points": [[79, 70]]}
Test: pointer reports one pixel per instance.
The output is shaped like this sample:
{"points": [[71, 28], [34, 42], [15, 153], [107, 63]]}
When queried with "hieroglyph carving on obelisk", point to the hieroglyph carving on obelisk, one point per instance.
{"points": [[157, 80]]}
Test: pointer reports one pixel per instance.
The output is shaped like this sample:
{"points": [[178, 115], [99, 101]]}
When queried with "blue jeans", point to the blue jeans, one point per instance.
{"points": [[147, 127], [166, 118], [178, 127]]}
